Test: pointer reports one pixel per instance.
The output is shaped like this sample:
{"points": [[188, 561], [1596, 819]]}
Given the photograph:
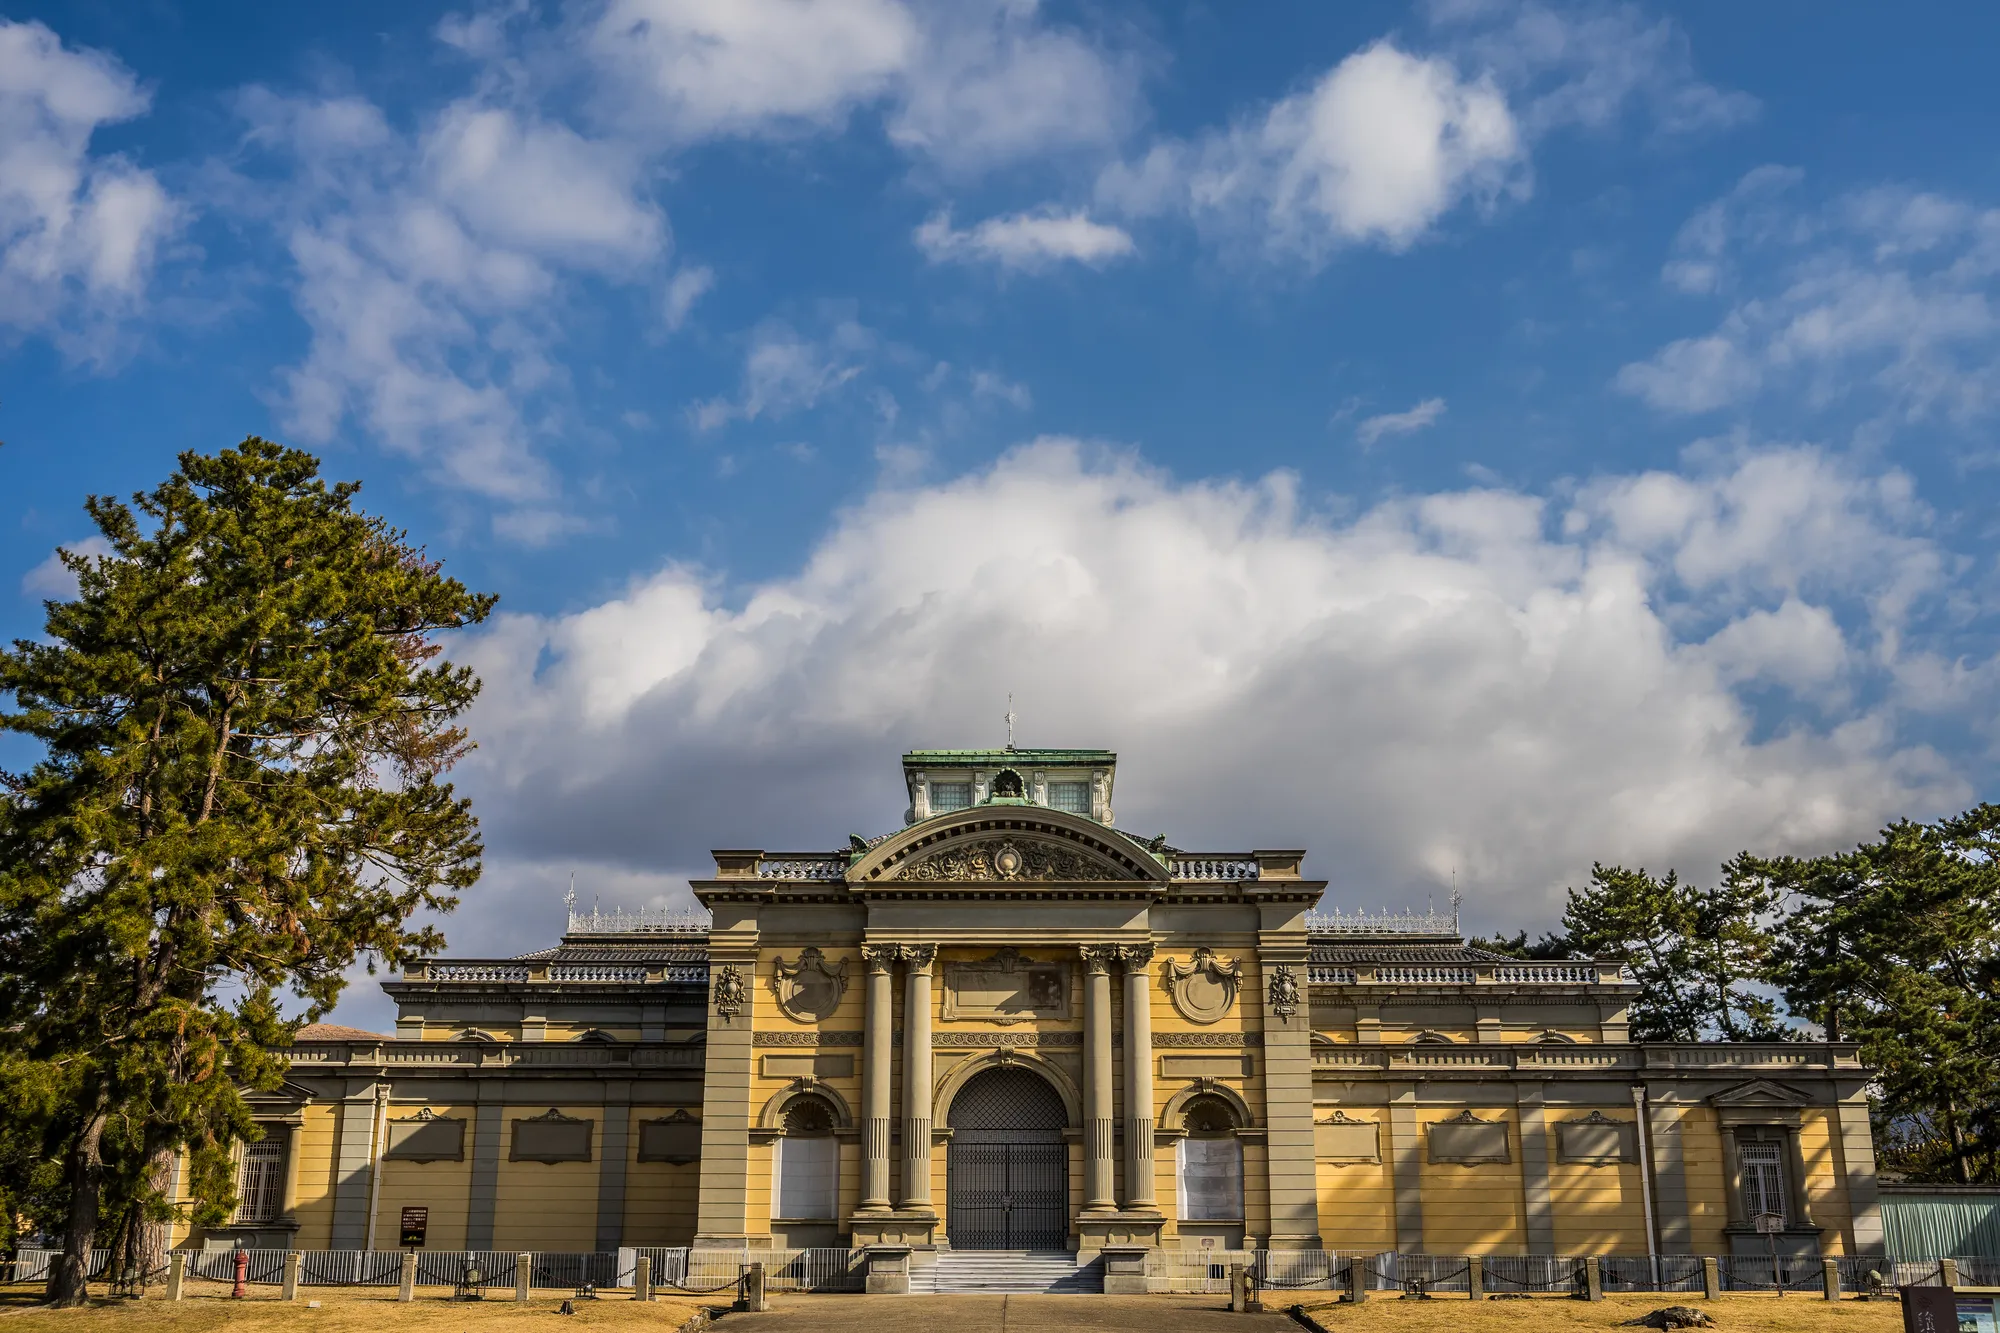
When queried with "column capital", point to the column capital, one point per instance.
{"points": [[1098, 957], [1136, 957], [918, 956], [881, 957]]}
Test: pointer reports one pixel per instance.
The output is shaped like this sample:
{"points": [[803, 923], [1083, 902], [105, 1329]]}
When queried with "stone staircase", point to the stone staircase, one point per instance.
{"points": [[1024, 1271]]}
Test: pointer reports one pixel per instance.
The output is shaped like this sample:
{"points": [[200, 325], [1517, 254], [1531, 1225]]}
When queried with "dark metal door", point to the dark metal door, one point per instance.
{"points": [[1007, 1196], [1007, 1169]]}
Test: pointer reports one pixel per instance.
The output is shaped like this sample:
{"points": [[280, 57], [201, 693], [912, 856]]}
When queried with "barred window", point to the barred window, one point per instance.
{"points": [[1763, 1179], [260, 1182], [1071, 796], [950, 796]]}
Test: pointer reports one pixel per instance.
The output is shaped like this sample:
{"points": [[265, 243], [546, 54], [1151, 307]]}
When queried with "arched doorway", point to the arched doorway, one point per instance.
{"points": [[1007, 1170]]}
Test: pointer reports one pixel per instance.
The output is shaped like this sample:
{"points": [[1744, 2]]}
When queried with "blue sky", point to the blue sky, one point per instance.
{"points": [[1465, 439]]}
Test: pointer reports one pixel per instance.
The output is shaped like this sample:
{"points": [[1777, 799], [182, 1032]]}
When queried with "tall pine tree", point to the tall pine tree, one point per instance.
{"points": [[245, 724]]}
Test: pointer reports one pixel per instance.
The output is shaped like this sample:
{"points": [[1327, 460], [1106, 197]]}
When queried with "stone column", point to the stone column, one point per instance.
{"points": [[295, 1134], [917, 1075], [1732, 1176], [1138, 959], [1098, 1194], [878, 1060], [722, 1213], [1795, 1167]]}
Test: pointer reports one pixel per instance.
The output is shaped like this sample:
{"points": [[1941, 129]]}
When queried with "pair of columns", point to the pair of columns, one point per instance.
{"points": [[1098, 960], [878, 1053]]}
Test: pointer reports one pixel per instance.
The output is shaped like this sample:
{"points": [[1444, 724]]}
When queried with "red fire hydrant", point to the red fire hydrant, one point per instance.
{"points": [[242, 1274]]}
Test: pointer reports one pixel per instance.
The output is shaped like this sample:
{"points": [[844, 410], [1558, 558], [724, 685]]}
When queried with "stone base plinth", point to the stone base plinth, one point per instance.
{"points": [[888, 1270], [907, 1228], [1125, 1268]]}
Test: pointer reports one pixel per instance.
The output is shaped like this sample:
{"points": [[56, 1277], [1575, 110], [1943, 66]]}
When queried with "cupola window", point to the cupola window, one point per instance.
{"points": [[950, 796], [1071, 796]]}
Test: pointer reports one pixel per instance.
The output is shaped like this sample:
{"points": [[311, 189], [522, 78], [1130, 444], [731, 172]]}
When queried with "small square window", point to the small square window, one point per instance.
{"points": [[1071, 796], [950, 796]]}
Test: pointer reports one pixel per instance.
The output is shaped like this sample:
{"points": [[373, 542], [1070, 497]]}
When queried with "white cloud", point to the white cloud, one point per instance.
{"points": [[1332, 684], [1399, 423], [430, 271], [79, 232], [1886, 294], [1025, 240], [786, 372], [688, 286], [1591, 65], [966, 86], [53, 579], [1376, 151]]}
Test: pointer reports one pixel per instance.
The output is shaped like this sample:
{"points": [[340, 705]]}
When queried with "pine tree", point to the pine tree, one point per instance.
{"points": [[1896, 945], [245, 723]]}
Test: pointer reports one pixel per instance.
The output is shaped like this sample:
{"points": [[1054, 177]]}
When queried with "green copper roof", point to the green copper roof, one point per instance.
{"points": [[918, 758]]}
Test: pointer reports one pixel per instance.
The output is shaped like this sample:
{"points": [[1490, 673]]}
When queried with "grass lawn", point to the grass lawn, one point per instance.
{"points": [[345, 1311], [1749, 1312]]}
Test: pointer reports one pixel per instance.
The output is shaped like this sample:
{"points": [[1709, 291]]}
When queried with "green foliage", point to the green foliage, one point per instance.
{"points": [[1696, 953], [1549, 948], [1896, 945], [245, 722]]}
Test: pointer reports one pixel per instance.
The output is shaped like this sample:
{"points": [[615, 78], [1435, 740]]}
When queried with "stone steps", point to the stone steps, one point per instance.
{"points": [[1011, 1271]]}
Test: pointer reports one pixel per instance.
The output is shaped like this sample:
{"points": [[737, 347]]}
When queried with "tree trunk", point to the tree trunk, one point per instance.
{"points": [[69, 1280], [149, 1238], [1957, 1135]]}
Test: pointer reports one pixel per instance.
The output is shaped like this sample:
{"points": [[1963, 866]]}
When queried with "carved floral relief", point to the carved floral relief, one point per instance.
{"points": [[1007, 859]]}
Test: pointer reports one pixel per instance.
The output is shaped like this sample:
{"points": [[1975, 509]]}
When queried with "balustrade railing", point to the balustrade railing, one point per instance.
{"points": [[640, 921], [596, 972], [802, 867], [474, 972], [1426, 976], [1224, 869]]}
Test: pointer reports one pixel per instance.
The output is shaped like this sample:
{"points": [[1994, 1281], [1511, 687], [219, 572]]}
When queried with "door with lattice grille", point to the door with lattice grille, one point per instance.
{"points": [[1007, 1169]]}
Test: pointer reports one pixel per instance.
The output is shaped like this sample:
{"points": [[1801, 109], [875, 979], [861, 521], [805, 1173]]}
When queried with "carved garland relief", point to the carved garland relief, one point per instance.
{"points": [[1020, 859]]}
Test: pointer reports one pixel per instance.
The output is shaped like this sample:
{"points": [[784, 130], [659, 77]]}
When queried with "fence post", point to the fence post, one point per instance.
{"points": [[524, 1271], [1711, 1278], [177, 1267], [1949, 1267], [1593, 1278], [1830, 1278], [1475, 1278], [642, 1278], [1236, 1288], [1357, 1280], [754, 1298], [292, 1261], [408, 1291]]}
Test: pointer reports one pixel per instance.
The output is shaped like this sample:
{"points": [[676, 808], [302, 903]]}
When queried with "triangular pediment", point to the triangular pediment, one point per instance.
{"points": [[1759, 1092], [1007, 846]]}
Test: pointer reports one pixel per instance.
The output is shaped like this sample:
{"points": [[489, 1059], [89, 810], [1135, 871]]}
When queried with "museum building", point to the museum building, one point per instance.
{"points": [[1009, 1025]]}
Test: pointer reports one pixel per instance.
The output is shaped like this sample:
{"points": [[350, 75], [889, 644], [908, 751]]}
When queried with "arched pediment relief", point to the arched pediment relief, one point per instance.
{"points": [[1007, 845]]}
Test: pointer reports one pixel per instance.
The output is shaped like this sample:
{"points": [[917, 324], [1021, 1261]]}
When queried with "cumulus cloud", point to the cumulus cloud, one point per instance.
{"points": [[1375, 151], [1025, 240], [1373, 428], [53, 579], [79, 231], [687, 287], [1561, 679], [965, 86], [430, 269]]}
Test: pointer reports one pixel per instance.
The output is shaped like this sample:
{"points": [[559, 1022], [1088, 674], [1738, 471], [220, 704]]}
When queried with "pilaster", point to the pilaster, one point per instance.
{"points": [[354, 1166], [1857, 1145], [1291, 1169], [722, 1217], [1406, 1151], [1670, 1188], [489, 1124], [1537, 1211], [614, 1152]]}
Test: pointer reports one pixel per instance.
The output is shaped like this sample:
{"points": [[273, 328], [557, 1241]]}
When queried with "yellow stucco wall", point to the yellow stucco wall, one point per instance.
{"points": [[547, 1205], [1596, 1209], [1473, 1209], [442, 1187]]}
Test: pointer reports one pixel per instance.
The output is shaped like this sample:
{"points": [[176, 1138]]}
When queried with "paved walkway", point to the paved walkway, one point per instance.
{"points": [[1002, 1314]]}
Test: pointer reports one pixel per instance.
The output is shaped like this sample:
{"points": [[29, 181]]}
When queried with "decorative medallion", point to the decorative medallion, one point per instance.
{"points": [[1006, 988], [1284, 992], [808, 990], [730, 992], [1203, 988], [1007, 859]]}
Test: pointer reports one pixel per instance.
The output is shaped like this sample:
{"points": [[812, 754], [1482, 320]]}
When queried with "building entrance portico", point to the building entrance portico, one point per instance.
{"points": [[1007, 1168]]}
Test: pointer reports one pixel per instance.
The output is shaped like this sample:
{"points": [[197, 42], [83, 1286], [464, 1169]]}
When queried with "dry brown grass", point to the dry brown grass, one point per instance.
{"points": [[1735, 1313], [346, 1311]]}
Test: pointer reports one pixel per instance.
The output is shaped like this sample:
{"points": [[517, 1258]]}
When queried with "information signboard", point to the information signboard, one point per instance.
{"points": [[415, 1222]]}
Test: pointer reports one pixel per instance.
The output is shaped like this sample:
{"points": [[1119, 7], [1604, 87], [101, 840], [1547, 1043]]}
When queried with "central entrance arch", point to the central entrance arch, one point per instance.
{"points": [[1007, 1169]]}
